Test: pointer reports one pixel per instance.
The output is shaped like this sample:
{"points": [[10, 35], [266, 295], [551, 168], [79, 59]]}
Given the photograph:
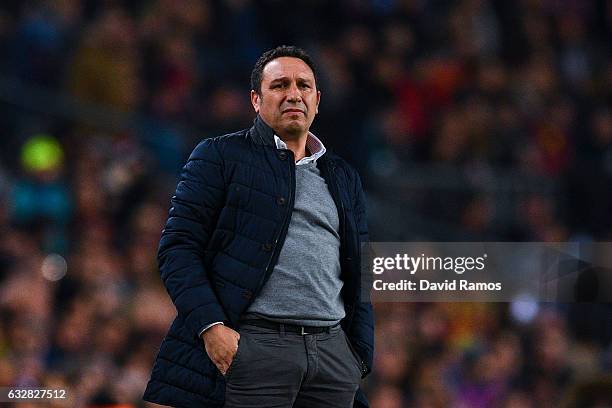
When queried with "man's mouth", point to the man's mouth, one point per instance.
{"points": [[293, 111]]}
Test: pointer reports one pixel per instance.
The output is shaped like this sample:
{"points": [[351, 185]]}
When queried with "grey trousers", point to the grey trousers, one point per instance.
{"points": [[275, 369]]}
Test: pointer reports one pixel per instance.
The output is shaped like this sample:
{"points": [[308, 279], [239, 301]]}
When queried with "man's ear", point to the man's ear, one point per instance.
{"points": [[255, 100]]}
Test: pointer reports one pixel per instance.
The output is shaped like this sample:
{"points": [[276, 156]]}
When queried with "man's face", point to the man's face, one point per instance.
{"points": [[289, 97]]}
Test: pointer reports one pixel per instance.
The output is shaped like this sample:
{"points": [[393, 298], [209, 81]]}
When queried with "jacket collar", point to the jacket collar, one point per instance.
{"points": [[261, 133]]}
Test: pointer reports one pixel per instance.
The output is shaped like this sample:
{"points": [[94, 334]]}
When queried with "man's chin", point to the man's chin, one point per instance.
{"points": [[295, 127]]}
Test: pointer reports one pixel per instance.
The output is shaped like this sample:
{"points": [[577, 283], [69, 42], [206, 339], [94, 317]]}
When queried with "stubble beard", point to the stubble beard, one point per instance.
{"points": [[295, 129]]}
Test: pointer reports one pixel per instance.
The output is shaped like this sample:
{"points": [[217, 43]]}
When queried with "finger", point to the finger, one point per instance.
{"points": [[222, 368], [221, 364], [229, 355], [227, 362]]}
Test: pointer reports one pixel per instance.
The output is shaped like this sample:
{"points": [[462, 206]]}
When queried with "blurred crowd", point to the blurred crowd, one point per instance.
{"points": [[482, 120]]}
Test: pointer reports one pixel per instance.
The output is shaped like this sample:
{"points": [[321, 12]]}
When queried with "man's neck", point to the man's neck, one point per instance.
{"points": [[296, 145]]}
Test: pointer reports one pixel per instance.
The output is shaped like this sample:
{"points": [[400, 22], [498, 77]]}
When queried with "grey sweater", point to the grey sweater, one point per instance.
{"points": [[304, 287]]}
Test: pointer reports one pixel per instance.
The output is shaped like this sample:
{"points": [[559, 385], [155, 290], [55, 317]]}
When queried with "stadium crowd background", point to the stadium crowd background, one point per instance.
{"points": [[469, 120]]}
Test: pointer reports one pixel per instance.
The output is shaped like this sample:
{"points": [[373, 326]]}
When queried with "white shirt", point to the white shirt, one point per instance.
{"points": [[313, 144]]}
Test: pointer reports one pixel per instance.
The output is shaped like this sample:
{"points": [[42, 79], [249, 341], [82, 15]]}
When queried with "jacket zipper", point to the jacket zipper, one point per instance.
{"points": [[336, 188], [344, 243], [349, 318]]}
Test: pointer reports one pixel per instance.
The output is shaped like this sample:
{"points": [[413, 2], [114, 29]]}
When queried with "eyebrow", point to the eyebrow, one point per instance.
{"points": [[299, 79]]}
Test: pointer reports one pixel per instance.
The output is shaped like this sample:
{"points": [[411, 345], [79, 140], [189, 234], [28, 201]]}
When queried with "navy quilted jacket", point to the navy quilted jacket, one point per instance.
{"points": [[227, 224]]}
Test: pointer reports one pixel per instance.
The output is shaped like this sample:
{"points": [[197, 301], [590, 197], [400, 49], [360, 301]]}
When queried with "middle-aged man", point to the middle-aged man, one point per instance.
{"points": [[261, 257]]}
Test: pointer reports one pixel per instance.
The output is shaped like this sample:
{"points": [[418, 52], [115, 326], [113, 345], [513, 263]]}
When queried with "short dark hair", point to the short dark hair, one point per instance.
{"points": [[280, 51]]}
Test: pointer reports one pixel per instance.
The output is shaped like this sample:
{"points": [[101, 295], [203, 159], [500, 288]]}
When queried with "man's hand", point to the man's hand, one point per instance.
{"points": [[221, 344]]}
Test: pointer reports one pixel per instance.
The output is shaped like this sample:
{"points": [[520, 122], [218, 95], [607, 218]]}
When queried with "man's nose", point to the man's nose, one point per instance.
{"points": [[293, 93]]}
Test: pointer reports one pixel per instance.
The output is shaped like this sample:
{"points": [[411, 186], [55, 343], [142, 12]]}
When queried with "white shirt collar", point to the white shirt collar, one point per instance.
{"points": [[313, 144]]}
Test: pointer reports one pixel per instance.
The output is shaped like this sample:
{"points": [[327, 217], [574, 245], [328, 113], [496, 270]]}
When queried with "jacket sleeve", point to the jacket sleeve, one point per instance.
{"points": [[362, 327], [199, 197]]}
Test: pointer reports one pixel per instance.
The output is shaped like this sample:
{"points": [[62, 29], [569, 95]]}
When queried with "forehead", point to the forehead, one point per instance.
{"points": [[286, 67]]}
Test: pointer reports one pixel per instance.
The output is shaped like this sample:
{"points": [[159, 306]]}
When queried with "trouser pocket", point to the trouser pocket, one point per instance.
{"points": [[354, 353], [235, 361]]}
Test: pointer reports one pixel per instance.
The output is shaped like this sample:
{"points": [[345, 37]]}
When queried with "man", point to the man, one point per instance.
{"points": [[261, 257]]}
